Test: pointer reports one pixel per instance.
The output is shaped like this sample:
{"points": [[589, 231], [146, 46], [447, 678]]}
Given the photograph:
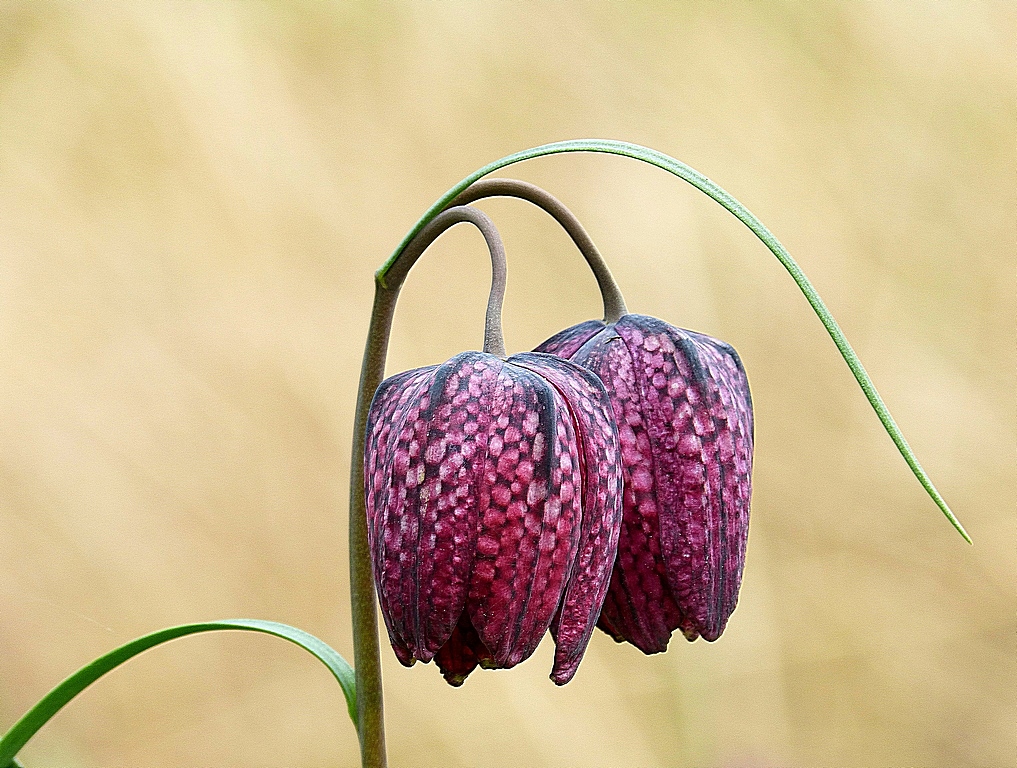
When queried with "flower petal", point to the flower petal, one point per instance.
{"points": [[599, 451], [386, 419], [529, 515], [639, 607], [426, 526]]}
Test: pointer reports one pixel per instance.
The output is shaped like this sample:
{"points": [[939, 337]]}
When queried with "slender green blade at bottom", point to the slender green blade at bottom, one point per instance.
{"points": [[23, 730]]}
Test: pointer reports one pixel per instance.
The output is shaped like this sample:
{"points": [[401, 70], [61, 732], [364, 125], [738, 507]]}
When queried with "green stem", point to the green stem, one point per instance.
{"points": [[702, 183], [366, 653], [614, 302]]}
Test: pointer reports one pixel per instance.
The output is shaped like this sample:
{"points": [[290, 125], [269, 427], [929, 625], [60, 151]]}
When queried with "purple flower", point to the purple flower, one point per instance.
{"points": [[493, 494], [684, 414]]}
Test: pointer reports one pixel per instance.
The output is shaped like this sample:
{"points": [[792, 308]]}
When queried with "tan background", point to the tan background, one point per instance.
{"points": [[193, 198]]}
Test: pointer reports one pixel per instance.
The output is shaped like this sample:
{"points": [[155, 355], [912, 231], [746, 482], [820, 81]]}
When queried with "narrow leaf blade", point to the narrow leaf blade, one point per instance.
{"points": [[23, 730]]}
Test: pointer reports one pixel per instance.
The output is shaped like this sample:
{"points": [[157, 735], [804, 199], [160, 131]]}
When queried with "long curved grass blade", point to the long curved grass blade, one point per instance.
{"points": [[702, 183], [23, 730]]}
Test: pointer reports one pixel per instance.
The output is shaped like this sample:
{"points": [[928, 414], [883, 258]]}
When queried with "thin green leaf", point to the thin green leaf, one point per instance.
{"points": [[23, 730], [700, 182]]}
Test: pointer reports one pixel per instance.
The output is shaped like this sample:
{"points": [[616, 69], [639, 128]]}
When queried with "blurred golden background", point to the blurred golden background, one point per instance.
{"points": [[193, 199]]}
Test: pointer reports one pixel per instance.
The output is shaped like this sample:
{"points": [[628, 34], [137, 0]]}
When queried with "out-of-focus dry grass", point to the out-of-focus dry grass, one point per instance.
{"points": [[193, 198]]}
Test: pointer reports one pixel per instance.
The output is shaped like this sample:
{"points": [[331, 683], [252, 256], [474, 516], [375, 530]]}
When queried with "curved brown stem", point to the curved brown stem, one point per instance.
{"points": [[614, 302], [366, 650]]}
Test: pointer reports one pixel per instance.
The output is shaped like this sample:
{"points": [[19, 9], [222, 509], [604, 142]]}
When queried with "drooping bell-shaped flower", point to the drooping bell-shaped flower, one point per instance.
{"points": [[684, 414], [493, 491]]}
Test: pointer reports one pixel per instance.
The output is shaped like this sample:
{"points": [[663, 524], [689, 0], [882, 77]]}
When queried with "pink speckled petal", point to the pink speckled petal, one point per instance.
{"points": [[599, 454], [639, 606], [731, 410], [529, 515], [426, 533], [383, 428], [695, 405], [566, 343]]}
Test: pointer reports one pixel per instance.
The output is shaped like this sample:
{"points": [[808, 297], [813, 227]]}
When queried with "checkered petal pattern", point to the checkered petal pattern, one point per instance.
{"points": [[683, 411], [493, 493]]}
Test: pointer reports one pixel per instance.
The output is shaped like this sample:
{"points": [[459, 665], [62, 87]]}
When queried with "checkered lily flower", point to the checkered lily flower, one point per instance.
{"points": [[493, 492], [684, 414]]}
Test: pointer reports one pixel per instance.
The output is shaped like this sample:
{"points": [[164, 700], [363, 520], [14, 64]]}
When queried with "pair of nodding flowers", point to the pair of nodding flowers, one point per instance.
{"points": [[601, 480]]}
